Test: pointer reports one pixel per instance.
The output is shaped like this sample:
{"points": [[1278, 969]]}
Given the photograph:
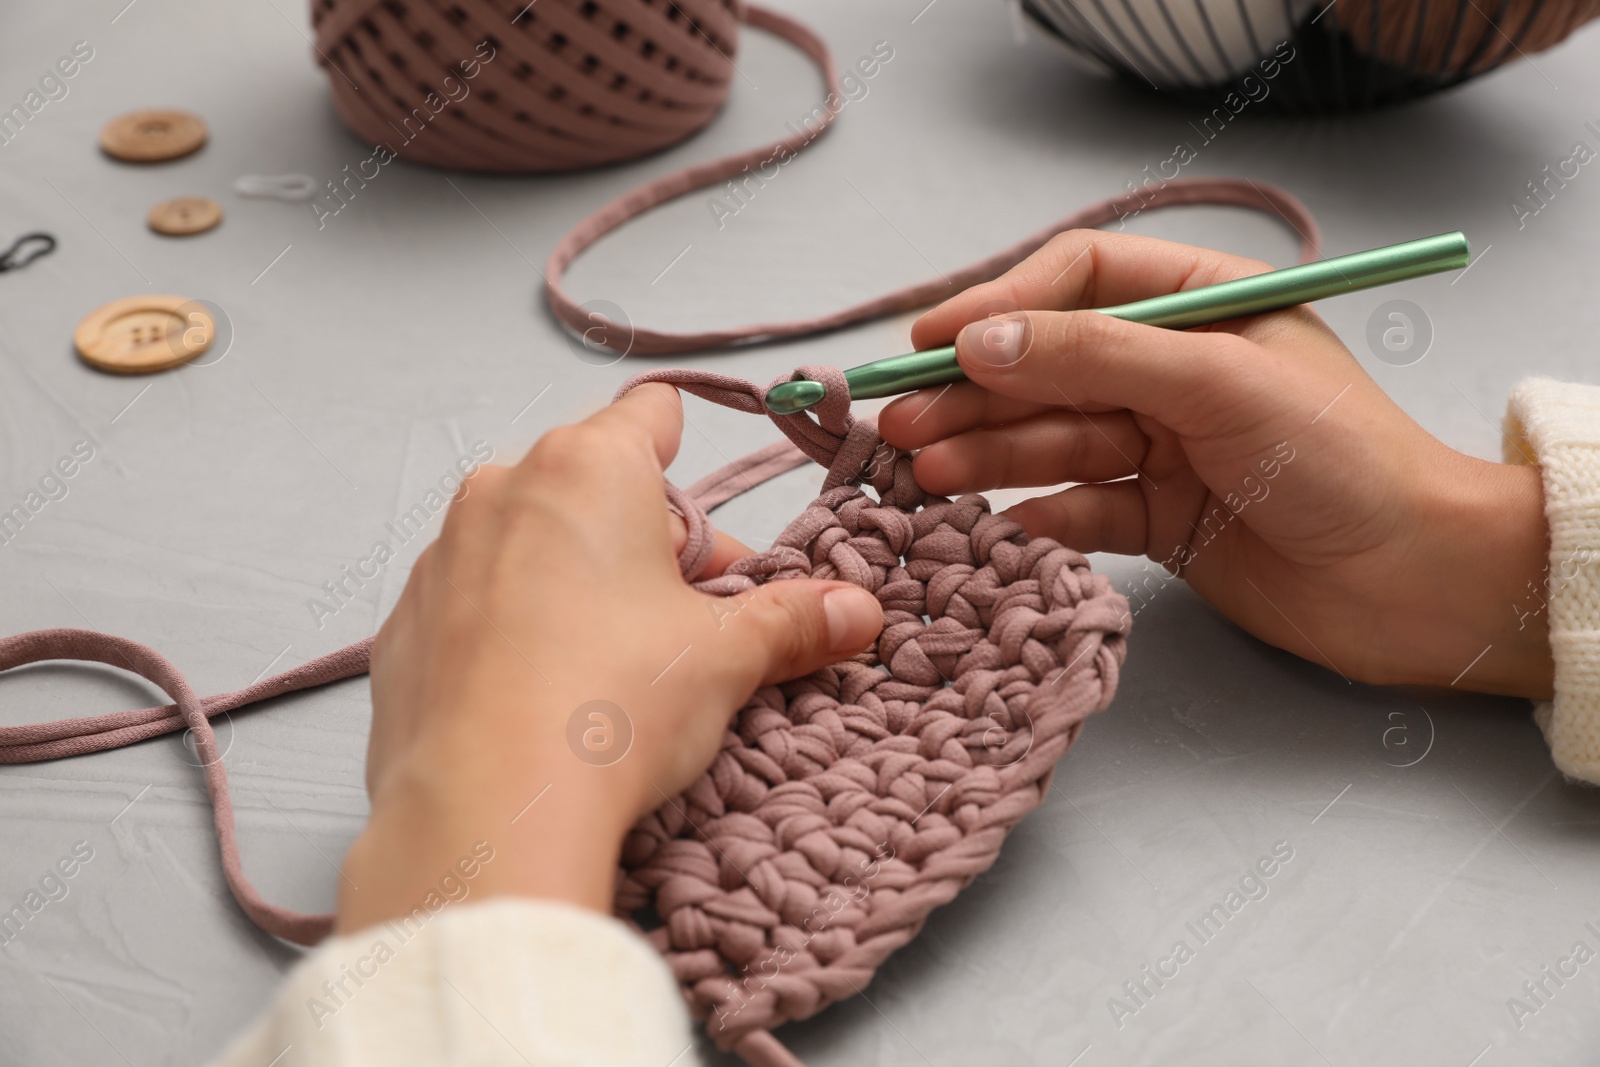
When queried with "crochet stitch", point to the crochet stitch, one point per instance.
{"points": [[843, 807]]}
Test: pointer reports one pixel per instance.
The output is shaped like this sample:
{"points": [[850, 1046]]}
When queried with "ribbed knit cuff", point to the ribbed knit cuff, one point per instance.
{"points": [[506, 982], [1557, 425]]}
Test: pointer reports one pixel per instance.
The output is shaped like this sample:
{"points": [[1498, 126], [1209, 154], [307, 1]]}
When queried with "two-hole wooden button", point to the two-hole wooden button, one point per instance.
{"points": [[152, 136], [144, 334], [185, 215]]}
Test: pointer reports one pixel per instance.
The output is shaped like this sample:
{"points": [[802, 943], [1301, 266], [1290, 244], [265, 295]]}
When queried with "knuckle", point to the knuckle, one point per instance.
{"points": [[480, 492], [1058, 242], [1108, 526], [991, 300], [1075, 332], [1062, 253], [1226, 268], [1000, 450], [1078, 446], [487, 480], [1071, 242], [560, 449], [574, 456], [1088, 330]]}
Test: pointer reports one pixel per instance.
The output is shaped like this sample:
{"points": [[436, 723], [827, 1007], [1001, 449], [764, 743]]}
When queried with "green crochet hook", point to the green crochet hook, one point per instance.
{"points": [[1271, 291]]}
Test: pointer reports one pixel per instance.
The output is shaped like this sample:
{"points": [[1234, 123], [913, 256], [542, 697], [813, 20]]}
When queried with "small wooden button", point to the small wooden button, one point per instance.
{"points": [[152, 136], [144, 334], [185, 215]]}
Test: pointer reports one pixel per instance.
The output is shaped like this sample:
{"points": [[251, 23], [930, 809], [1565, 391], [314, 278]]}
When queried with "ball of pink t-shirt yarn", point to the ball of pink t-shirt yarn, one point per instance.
{"points": [[509, 85]]}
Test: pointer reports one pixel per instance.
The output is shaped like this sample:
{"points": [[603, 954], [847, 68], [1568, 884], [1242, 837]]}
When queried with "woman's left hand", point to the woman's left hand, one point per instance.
{"points": [[555, 585]]}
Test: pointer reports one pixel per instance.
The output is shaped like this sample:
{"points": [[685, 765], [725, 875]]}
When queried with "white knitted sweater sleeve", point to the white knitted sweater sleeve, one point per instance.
{"points": [[520, 983], [1558, 426]]}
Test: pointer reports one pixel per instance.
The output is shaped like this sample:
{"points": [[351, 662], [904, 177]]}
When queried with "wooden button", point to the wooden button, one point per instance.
{"points": [[152, 136], [143, 334], [185, 215]]}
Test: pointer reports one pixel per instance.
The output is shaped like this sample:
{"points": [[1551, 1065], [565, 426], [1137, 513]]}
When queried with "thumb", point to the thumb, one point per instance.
{"points": [[1098, 363], [790, 628]]}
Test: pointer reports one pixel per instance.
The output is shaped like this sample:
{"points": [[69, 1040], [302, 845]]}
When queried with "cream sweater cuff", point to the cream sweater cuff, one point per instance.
{"points": [[1557, 425], [507, 981]]}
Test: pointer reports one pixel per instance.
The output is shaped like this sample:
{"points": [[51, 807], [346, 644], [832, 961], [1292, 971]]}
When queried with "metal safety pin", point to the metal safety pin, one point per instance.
{"points": [[294, 188]]}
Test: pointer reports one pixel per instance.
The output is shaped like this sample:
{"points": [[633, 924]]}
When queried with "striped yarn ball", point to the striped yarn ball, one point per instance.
{"points": [[1333, 55]]}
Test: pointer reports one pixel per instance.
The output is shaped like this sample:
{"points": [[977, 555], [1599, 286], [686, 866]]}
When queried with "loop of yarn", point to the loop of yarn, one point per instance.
{"points": [[849, 449], [843, 807], [96, 733], [587, 324]]}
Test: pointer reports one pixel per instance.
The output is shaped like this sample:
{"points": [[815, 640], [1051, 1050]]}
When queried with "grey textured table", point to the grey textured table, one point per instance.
{"points": [[369, 354]]}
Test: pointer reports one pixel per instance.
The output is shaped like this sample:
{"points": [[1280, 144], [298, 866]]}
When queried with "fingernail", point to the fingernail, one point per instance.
{"points": [[853, 618], [996, 342]]}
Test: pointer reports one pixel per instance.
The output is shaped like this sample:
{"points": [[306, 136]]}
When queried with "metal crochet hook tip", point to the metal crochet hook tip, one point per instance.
{"points": [[884, 377], [1270, 291], [791, 398]]}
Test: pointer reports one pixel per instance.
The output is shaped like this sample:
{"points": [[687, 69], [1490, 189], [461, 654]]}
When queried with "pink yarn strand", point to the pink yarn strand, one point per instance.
{"points": [[74, 737], [640, 341]]}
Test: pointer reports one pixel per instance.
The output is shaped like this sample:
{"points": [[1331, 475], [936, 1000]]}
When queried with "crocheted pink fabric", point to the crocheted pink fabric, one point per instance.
{"points": [[843, 807]]}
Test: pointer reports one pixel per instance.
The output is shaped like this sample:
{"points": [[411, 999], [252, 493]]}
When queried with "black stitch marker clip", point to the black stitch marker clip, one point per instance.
{"points": [[26, 249]]}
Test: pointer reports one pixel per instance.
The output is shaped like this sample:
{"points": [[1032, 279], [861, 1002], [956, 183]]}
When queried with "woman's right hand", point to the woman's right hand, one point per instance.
{"points": [[1255, 458]]}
